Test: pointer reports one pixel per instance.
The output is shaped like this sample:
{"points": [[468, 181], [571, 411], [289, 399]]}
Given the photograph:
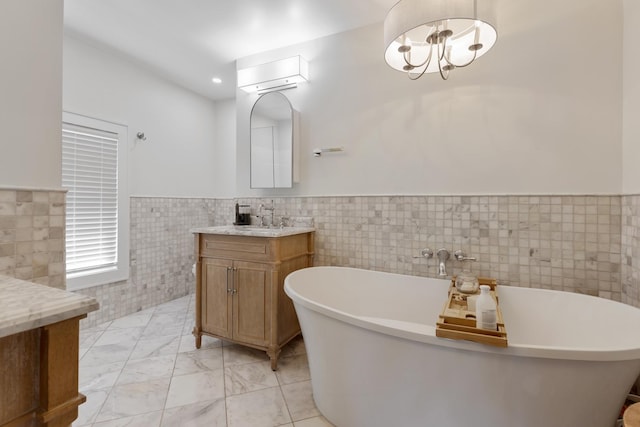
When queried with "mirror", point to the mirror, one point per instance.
{"points": [[272, 142]]}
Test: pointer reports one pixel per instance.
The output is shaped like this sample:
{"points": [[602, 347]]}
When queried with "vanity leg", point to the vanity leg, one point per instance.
{"points": [[273, 354], [198, 335]]}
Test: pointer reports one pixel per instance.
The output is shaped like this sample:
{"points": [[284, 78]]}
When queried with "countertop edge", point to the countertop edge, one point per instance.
{"points": [[26, 305], [230, 230], [48, 318]]}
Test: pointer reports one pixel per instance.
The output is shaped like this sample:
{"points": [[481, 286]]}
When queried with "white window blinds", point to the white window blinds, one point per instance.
{"points": [[90, 173]]}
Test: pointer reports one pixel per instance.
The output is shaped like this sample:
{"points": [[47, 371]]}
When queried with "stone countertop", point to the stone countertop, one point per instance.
{"points": [[253, 231], [26, 305]]}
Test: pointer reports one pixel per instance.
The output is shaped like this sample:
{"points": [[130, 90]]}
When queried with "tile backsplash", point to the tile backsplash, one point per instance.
{"points": [[586, 244], [569, 243]]}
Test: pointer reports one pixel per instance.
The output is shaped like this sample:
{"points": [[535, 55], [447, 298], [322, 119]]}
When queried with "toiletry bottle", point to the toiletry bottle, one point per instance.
{"points": [[486, 310], [237, 221]]}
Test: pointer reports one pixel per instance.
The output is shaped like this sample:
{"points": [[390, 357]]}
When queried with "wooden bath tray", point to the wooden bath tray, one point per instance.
{"points": [[458, 323]]}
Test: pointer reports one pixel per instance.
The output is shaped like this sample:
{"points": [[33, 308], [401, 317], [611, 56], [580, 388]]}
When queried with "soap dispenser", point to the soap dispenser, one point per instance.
{"points": [[237, 220], [486, 310]]}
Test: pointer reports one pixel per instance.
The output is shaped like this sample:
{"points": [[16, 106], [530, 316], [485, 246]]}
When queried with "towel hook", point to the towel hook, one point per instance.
{"points": [[140, 136]]}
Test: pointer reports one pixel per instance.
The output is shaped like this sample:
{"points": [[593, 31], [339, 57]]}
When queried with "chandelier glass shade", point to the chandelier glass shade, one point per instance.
{"points": [[438, 36]]}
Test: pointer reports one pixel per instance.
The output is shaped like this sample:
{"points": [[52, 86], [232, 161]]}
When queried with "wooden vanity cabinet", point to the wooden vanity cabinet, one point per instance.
{"points": [[240, 288]]}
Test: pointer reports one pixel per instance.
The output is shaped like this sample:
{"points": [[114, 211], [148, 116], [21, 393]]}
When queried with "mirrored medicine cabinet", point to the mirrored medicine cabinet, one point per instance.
{"points": [[273, 128]]}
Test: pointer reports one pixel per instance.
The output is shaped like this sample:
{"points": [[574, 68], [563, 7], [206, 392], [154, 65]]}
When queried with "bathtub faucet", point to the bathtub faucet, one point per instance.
{"points": [[443, 256]]}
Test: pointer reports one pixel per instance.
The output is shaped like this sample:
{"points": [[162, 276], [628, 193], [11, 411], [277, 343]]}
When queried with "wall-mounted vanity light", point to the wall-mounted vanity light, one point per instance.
{"points": [[272, 76]]}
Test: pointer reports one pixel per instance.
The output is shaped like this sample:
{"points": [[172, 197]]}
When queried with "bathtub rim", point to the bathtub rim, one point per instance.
{"points": [[426, 333]]}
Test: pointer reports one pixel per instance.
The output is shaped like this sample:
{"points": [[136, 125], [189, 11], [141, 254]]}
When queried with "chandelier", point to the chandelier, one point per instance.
{"points": [[437, 36]]}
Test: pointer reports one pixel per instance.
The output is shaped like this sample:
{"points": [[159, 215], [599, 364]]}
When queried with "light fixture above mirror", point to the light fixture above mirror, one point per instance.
{"points": [[438, 36], [276, 75]]}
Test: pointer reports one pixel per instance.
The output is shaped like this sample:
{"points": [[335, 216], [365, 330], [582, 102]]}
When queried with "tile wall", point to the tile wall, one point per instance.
{"points": [[569, 243], [32, 235], [161, 256], [586, 244], [630, 263]]}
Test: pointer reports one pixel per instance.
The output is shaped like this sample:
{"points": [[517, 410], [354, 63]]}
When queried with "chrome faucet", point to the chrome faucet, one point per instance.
{"points": [[443, 256], [262, 207]]}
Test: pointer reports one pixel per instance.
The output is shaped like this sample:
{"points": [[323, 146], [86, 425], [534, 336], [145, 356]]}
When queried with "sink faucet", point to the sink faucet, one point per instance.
{"points": [[261, 215], [443, 256]]}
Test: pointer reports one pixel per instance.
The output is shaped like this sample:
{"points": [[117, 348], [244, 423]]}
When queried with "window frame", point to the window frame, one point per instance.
{"points": [[120, 272]]}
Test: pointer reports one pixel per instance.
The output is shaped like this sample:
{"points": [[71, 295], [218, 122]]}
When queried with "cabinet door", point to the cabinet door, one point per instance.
{"points": [[216, 296], [252, 303]]}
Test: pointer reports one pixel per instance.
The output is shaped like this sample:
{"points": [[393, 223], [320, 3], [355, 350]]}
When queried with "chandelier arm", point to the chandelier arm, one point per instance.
{"points": [[419, 75], [475, 52], [426, 61], [444, 46], [442, 74]]}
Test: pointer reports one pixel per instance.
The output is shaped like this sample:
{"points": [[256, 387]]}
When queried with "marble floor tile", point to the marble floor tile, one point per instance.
{"points": [[124, 337], [177, 305], [299, 398], [146, 376], [141, 370], [151, 419], [295, 347], [293, 369], [136, 320], [100, 355], [248, 377], [168, 320], [156, 346], [262, 408], [98, 376], [239, 354], [189, 324], [313, 422], [193, 388], [160, 330], [202, 414], [134, 399], [88, 411], [82, 351], [87, 339], [188, 343], [198, 361]]}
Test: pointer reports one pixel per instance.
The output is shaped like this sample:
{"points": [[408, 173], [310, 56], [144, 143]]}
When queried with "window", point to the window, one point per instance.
{"points": [[97, 210]]}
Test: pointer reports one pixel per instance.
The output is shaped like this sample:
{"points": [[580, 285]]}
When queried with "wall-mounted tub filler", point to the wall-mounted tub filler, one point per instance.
{"points": [[443, 256], [425, 253], [459, 255]]}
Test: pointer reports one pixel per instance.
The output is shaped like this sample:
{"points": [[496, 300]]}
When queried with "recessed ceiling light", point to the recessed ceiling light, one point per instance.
{"points": [[216, 80]]}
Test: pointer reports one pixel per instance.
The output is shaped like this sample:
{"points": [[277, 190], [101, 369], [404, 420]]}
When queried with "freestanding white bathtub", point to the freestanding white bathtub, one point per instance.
{"points": [[375, 360]]}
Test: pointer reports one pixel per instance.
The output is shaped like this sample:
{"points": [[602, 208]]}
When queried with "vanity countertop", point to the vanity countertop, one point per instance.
{"points": [[26, 305], [253, 231]]}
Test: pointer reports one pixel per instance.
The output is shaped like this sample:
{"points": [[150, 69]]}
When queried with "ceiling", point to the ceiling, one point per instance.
{"points": [[191, 41]]}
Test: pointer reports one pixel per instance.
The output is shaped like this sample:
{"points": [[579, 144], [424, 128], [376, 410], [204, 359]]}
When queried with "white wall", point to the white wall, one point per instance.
{"points": [[540, 113], [631, 99], [225, 160], [31, 93], [178, 159]]}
